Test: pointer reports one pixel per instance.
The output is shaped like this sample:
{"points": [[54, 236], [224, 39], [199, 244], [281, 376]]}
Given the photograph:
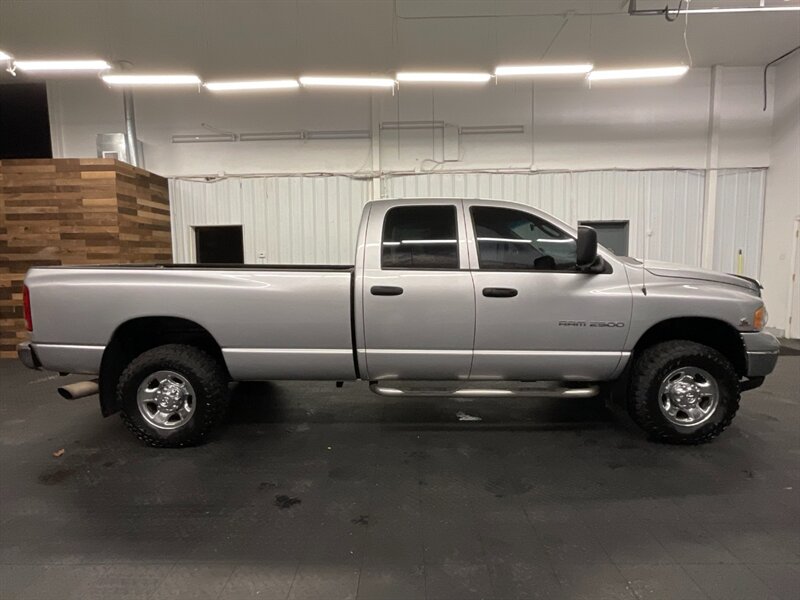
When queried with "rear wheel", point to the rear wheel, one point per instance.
{"points": [[683, 392], [173, 395]]}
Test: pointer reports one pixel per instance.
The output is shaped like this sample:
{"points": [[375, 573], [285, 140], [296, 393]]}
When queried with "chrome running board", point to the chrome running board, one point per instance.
{"points": [[588, 391]]}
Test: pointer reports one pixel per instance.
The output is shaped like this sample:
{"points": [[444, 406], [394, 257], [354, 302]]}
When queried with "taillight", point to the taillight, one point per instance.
{"points": [[26, 308]]}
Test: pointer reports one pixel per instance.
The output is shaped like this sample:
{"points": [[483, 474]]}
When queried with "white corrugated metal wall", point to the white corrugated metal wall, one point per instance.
{"points": [[739, 220], [312, 219]]}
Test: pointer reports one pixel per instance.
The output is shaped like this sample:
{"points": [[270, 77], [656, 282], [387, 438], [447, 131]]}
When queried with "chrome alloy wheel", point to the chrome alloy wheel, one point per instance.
{"points": [[688, 396], [166, 400]]}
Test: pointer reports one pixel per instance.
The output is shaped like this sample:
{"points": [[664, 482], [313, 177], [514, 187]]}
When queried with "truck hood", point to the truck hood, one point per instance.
{"points": [[665, 269]]}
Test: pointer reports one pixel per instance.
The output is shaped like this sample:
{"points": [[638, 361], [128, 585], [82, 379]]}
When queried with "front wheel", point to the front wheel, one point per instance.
{"points": [[173, 395], [683, 392]]}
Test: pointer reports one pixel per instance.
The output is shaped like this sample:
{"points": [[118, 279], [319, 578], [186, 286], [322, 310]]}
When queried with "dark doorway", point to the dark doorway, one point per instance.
{"points": [[24, 121], [219, 244], [611, 234]]}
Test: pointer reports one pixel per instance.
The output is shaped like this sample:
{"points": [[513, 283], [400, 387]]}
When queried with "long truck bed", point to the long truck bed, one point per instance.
{"points": [[270, 321]]}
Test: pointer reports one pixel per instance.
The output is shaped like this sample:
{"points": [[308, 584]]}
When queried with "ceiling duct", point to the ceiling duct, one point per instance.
{"points": [[276, 136], [395, 125], [491, 129], [348, 134], [271, 136], [202, 138]]}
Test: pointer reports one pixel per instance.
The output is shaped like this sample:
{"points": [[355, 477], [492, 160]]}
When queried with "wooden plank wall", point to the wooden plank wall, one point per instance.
{"points": [[74, 212]]}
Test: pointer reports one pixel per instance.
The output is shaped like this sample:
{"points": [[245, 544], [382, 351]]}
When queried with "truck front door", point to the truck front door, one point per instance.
{"points": [[537, 316], [416, 290]]}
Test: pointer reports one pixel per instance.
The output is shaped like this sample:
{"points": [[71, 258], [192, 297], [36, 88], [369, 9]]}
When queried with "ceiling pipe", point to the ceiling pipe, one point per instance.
{"points": [[131, 140], [131, 143], [635, 11], [769, 64]]}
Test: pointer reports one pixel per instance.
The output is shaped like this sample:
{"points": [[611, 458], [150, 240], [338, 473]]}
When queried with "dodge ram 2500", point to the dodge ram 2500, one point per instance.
{"points": [[467, 291]]}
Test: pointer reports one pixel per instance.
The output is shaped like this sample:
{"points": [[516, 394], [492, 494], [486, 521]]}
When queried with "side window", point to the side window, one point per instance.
{"points": [[514, 240], [420, 237]]}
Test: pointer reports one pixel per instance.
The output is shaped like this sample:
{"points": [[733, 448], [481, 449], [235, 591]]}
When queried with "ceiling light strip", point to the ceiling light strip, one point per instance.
{"points": [[542, 70], [741, 9], [265, 84], [364, 82], [181, 79], [646, 73], [434, 77], [61, 65]]}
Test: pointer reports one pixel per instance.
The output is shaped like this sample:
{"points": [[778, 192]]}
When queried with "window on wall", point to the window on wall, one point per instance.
{"points": [[420, 237], [219, 244], [611, 234], [514, 240]]}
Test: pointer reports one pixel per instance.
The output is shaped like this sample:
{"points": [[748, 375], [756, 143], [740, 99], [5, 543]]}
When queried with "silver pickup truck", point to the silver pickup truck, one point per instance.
{"points": [[492, 298]]}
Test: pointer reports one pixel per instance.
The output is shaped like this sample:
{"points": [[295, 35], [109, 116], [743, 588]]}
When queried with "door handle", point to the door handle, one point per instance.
{"points": [[497, 292], [385, 290]]}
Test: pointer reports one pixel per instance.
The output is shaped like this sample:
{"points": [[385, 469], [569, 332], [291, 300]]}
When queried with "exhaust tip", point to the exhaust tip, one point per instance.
{"points": [[81, 389]]}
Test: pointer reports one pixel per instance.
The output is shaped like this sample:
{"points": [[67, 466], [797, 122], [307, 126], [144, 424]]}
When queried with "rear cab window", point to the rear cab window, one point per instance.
{"points": [[420, 237]]}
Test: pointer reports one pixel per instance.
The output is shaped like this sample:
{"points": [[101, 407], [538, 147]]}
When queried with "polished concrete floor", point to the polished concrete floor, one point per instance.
{"points": [[314, 492]]}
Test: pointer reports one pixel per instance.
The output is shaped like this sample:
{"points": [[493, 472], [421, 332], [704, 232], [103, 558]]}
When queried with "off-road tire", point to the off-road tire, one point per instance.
{"points": [[654, 364], [206, 376]]}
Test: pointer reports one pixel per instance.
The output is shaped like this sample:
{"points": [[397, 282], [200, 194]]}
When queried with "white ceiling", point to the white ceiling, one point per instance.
{"points": [[233, 38]]}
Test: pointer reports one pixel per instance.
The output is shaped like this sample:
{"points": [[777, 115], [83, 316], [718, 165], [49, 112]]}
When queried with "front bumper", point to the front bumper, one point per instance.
{"points": [[27, 355], [761, 350]]}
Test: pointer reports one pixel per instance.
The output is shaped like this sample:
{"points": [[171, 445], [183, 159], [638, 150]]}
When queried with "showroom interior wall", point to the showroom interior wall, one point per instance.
{"points": [[639, 130], [638, 154], [566, 125], [782, 206], [314, 220]]}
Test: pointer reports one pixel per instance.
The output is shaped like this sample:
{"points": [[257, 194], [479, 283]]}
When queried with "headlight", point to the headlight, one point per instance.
{"points": [[760, 318]]}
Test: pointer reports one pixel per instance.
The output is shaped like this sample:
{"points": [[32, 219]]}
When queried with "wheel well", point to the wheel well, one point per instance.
{"points": [[139, 335], [710, 332]]}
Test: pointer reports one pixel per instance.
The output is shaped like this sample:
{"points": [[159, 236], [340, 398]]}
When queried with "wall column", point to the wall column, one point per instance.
{"points": [[712, 164]]}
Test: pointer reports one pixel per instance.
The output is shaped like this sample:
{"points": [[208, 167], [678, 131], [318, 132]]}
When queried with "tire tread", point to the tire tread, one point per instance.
{"points": [[641, 406], [205, 369]]}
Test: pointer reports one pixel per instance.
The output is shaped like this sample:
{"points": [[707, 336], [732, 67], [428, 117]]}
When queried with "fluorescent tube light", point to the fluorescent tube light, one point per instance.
{"points": [[151, 79], [208, 137], [266, 84], [61, 65], [743, 9], [368, 82], [611, 74], [431, 77], [541, 70], [5, 55]]}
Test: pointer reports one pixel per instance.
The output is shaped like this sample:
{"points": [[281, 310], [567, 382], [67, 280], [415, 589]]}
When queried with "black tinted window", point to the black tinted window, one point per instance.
{"points": [[420, 237], [512, 239]]}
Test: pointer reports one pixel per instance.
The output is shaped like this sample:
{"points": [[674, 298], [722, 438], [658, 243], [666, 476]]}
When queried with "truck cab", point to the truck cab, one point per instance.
{"points": [[470, 289]]}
